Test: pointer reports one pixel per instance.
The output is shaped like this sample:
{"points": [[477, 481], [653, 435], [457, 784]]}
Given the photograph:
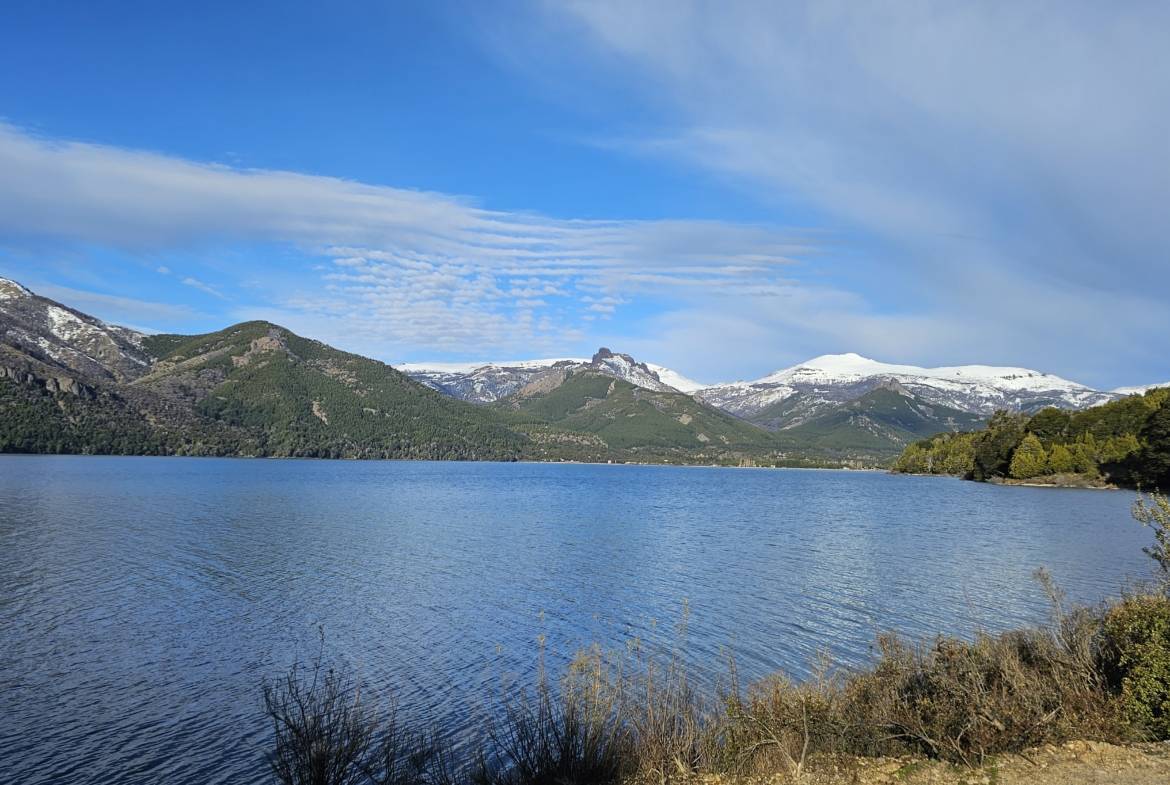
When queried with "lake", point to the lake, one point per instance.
{"points": [[142, 600]]}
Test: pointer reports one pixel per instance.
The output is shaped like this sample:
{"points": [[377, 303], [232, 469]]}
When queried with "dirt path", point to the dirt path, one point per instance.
{"points": [[1075, 763]]}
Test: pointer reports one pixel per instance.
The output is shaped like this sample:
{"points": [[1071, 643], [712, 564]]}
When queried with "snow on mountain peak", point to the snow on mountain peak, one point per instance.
{"points": [[851, 366], [1140, 389], [675, 379], [470, 367], [490, 381], [971, 388], [11, 290]]}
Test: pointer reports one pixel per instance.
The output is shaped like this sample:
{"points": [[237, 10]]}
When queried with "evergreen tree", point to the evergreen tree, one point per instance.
{"points": [[1050, 425], [993, 452], [1153, 460], [1029, 459], [1060, 460]]}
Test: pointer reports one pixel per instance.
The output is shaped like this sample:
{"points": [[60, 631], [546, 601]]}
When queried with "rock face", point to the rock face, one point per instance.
{"points": [[482, 382]]}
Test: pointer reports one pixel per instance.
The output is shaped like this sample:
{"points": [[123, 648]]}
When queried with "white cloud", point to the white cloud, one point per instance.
{"points": [[403, 271], [1000, 155], [195, 283]]}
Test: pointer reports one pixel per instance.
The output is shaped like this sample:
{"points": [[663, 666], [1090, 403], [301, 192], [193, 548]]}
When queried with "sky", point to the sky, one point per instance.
{"points": [[722, 188]]}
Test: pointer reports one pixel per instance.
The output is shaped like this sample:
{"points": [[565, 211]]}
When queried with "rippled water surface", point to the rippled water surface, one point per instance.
{"points": [[142, 600]]}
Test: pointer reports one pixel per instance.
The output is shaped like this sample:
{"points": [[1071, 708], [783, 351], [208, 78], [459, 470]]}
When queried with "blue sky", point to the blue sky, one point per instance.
{"points": [[722, 188]]}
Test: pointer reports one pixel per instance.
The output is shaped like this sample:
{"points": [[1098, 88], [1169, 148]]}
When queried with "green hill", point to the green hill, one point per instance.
{"points": [[879, 423], [589, 411], [303, 398]]}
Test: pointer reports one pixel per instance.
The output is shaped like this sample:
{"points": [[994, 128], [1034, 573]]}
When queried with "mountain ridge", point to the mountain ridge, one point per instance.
{"points": [[72, 382]]}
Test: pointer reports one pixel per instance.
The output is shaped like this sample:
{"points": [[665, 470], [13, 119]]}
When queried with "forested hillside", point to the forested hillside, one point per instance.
{"points": [[1124, 442], [303, 398]]}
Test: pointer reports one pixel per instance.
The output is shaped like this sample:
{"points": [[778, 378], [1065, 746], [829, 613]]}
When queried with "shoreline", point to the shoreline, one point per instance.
{"points": [[527, 461]]}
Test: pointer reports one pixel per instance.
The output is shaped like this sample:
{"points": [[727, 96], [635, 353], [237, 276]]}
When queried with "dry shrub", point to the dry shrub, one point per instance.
{"points": [[962, 701], [323, 731], [326, 733], [573, 735], [779, 724], [673, 734], [953, 699]]}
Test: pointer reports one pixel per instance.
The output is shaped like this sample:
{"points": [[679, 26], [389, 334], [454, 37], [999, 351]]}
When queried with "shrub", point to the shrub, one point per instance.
{"points": [[1138, 635], [1155, 513], [323, 732], [571, 736], [963, 701], [326, 734]]}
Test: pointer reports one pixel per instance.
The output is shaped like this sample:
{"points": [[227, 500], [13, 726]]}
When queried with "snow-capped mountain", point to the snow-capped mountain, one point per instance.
{"points": [[35, 330], [795, 394], [487, 382], [1140, 389], [482, 382]]}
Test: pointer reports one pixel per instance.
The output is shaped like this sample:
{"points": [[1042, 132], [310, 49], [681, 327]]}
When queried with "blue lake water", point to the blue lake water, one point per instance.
{"points": [[142, 600]]}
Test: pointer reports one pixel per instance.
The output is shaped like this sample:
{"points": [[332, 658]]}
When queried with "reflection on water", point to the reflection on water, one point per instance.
{"points": [[142, 599]]}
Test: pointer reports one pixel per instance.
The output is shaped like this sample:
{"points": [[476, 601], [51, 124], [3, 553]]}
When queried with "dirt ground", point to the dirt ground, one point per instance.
{"points": [[1075, 763]]}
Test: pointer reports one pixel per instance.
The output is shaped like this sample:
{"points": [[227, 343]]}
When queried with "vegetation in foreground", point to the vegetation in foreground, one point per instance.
{"points": [[1099, 673], [1125, 442]]}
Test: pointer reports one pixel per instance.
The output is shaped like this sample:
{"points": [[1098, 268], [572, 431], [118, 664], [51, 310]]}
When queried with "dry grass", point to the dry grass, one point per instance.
{"points": [[608, 720]]}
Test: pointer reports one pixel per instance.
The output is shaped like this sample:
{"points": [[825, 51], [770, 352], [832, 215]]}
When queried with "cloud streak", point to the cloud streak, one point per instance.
{"points": [[988, 156], [404, 270]]}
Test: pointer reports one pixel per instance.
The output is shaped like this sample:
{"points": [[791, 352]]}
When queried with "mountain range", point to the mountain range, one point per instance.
{"points": [[842, 405], [69, 382]]}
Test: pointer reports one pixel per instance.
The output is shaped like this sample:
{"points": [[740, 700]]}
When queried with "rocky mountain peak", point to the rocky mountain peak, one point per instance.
{"points": [[11, 290], [48, 340], [602, 354]]}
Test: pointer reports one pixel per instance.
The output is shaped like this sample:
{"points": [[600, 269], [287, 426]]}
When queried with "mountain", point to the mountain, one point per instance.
{"points": [[492, 381], [66, 387], [307, 398], [1140, 389], [40, 335], [71, 383], [480, 382], [581, 405], [790, 397], [879, 422]]}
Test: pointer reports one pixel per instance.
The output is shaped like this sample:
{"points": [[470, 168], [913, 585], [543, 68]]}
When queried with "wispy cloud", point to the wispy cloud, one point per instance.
{"points": [[998, 155], [399, 270], [195, 283]]}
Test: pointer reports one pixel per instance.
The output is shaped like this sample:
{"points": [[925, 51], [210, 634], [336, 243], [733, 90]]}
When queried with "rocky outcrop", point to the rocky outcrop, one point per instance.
{"points": [[65, 385]]}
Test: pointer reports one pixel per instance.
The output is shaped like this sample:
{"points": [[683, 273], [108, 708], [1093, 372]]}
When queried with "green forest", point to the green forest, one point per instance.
{"points": [[1124, 442]]}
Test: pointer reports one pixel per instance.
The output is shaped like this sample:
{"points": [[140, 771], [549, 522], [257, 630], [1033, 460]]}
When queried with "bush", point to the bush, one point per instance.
{"points": [[574, 736], [1138, 637], [325, 733], [1154, 512]]}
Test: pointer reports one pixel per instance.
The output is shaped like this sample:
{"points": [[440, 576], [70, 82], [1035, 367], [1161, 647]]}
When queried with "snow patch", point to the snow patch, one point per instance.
{"points": [[434, 367], [675, 379], [11, 290], [1140, 389]]}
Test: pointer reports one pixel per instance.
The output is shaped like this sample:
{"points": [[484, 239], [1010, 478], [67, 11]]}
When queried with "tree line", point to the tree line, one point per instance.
{"points": [[1125, 442]]}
